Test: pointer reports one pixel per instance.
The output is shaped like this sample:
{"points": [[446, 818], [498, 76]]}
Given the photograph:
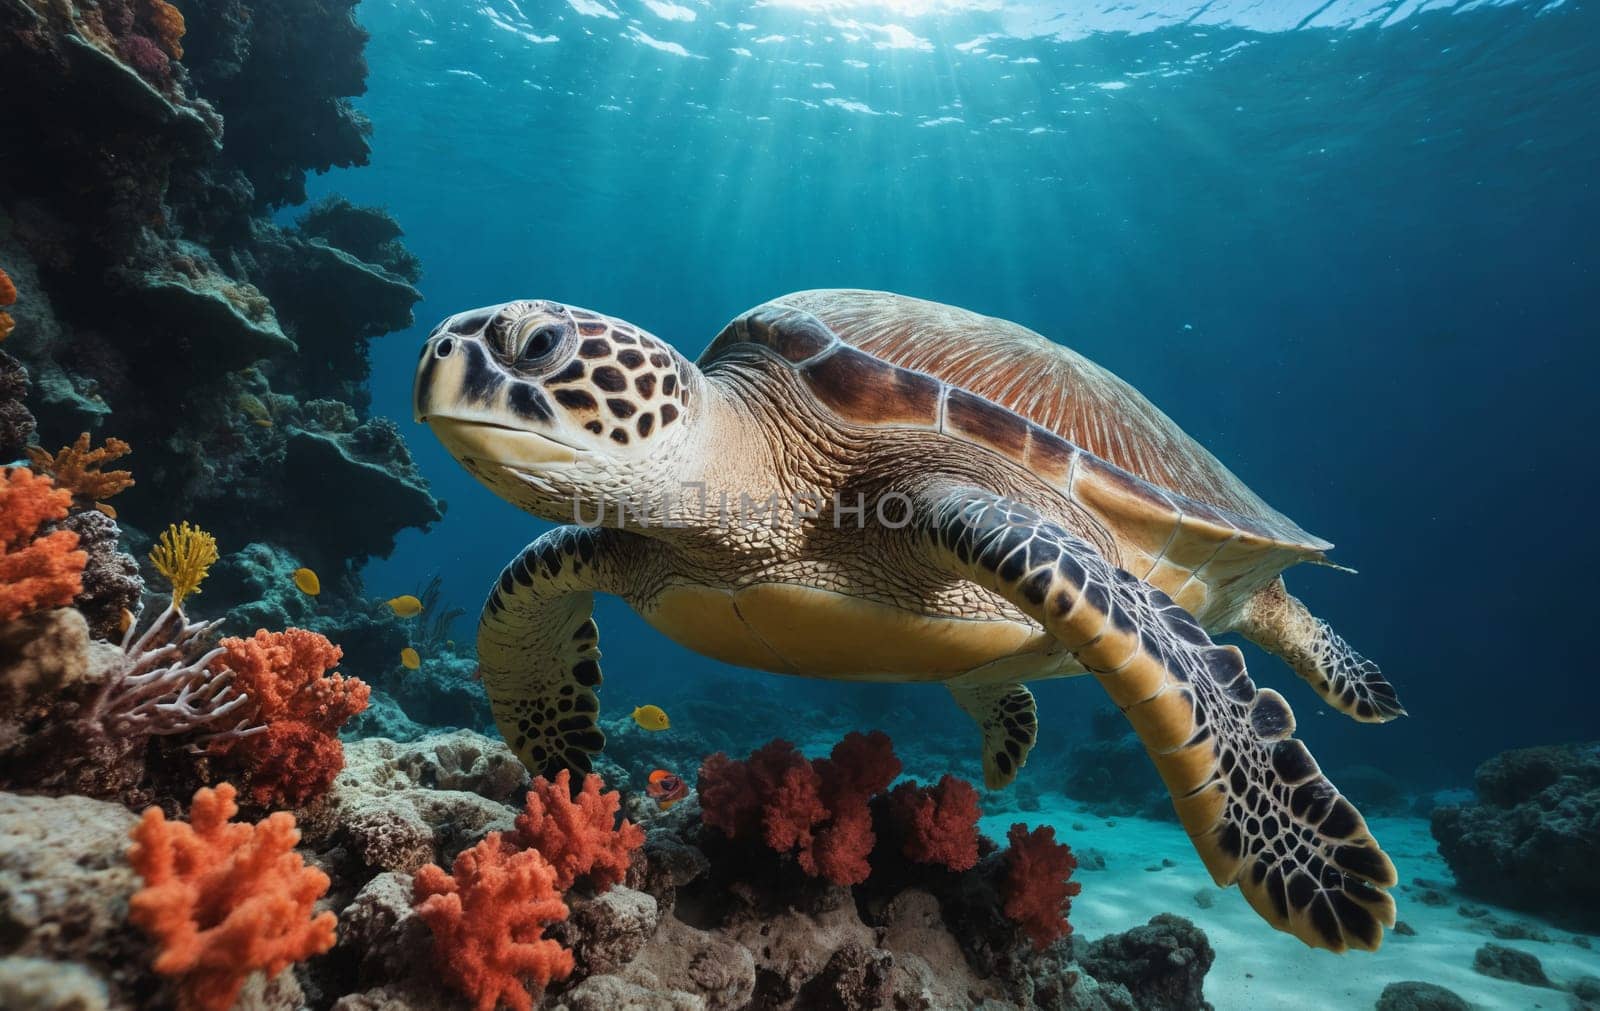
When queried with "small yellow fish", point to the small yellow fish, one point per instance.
{"points": [[406, 606], [262, 422], [308, 582], [651, 718], [409, 659]]}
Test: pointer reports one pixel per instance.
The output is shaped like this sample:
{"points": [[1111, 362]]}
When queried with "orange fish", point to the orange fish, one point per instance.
{"points": [[666, 789]]}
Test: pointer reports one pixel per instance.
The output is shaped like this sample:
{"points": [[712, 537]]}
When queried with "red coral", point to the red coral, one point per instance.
{"points": [[285, 675], [488, 921], [819, 810], [939, 823], [35, 572], [8, 296], [579, 837], [1037, 890], [224, 900]]}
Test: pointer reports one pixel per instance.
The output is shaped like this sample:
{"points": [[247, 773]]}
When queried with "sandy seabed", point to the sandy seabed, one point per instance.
{"points": [[1258, 967]]}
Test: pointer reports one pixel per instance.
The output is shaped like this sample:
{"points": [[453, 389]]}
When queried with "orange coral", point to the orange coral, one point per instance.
{"points": [[224, 900], [168, 23], [580, 838], [35, 572], [77, 469], [488, 919], [285, 675]]}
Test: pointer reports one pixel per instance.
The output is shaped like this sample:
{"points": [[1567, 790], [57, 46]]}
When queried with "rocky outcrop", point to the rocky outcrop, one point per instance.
{"points": [[64, 888], [1162, 964], [161, 304], [397, 806], [1532, 841]]}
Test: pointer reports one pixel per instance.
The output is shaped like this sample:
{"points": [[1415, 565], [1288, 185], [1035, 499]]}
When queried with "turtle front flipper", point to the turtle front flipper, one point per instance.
{"points": [[1006, 715], [1346, 680], [538, 648], [1251, 798]]}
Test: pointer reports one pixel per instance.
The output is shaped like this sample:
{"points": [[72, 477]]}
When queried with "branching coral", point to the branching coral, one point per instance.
{"points": [[818, 810], [286, 676], [160, 688], [1037, 888], [488, 919], [35, 571], [224, 900], [939, 823], [579, 836], [183, 556], [78, 469]]}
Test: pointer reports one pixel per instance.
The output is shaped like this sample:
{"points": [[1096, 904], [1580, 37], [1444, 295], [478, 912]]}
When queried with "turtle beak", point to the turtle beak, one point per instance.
{"points": [[460, 393], [485, 442]]}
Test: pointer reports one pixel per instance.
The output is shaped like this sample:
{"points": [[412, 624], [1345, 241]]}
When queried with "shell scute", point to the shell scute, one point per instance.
{"points": [[869, 390]]}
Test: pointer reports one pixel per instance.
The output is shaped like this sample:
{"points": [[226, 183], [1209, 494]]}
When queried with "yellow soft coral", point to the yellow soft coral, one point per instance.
{"points": [[184, 555], [169, 26], [77, 469]]}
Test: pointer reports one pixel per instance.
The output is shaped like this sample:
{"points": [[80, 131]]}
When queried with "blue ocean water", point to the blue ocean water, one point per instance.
{"points": [[1349, 246]]}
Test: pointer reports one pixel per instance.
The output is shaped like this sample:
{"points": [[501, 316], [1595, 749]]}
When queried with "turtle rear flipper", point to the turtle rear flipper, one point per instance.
{"points": [[1006, 715], [1257, 808], [1346, 680]]}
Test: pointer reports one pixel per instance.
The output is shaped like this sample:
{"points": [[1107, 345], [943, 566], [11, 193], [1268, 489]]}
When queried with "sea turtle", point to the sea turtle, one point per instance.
{"points": [[860, 485]]}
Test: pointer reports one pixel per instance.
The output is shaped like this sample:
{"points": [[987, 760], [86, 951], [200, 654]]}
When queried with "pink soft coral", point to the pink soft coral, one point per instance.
{"points": [[35, 572], [224, 900], [1037, 888], [488, 919], [579, 837], [939, 823], [286, 676]]}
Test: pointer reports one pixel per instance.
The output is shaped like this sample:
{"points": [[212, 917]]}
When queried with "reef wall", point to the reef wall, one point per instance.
{"points": [[162, 303]]}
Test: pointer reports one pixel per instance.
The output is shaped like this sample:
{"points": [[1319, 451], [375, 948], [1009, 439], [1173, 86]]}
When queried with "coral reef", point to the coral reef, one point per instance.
{"points": [[488, 918], [578, 834], [224, 900], [699, 921], [37, 570], [1038, 891], [138, 229], [81, 470], [301, 706], [939, 824], [97, 731], [1532, 840], [817, 809]]}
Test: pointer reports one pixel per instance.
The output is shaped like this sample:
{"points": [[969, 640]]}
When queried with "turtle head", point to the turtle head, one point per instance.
{"points": [[549, 404]]}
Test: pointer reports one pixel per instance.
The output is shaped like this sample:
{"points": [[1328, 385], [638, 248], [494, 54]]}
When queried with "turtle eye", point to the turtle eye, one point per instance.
{"points": [[539, 345]]}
